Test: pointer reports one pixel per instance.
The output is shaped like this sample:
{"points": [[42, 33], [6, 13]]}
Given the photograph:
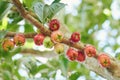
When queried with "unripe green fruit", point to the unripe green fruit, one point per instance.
{"points": [[48, 43], [59, 48]]}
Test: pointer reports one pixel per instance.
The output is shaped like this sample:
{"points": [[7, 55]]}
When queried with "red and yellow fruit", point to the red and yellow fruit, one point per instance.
{"points": [[38, 39], [72, 54], [75, 37], [56, 36], [8, 44], [54, 25], [81, 56], [90, 51], [104, 60], [19, 39]]}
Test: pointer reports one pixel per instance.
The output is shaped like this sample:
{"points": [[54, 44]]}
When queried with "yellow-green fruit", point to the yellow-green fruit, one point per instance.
{"points": [[48, 43], [59, 48]]}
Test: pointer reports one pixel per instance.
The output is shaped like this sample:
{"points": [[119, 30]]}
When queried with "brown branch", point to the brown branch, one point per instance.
{"points": [[113, 72], [25, 14], [27, 35]]}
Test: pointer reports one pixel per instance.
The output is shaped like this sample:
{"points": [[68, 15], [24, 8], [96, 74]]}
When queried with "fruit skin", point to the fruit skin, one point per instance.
{"points": [[38, 39], [54, 25], [90, 51], [81, 56], [56, 36], [75, 37], [72, 54], [104, 60], [8, 45], [19, 39], [59, 48], [48, 43]]}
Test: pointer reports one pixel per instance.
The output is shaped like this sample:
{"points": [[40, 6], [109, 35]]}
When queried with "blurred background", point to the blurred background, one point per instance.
{"points": [[98, 22]]}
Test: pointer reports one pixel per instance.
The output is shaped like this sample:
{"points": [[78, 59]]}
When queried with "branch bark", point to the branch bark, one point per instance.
{"points": [[27, 35], [111, 73]]}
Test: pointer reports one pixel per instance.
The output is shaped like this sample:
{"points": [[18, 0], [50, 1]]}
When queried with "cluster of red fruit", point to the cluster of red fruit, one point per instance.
{"points": [[18, 40], [56, 38], [88, 51], [72, 54]]}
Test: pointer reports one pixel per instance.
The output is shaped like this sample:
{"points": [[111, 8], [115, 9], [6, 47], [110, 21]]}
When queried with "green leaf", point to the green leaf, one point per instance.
{"points": [[45, 12], [12, 27], [28, 3], [107, 3], [64, 64], [7, 75], [39, 9], [4, 8], [56, 1], [42, 67], [15, 17], [74, 76], [28, 28], [117, 56], [54, 8], [2, 33]]}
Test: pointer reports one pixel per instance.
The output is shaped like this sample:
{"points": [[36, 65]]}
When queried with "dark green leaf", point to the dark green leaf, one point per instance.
{"points": [[55, 1], [15, 16], [74, 76], [4, 8]]}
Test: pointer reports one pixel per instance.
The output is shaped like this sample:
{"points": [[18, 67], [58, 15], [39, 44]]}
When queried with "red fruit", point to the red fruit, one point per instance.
{"points": [[8, 45], [75, 37], [54, 25], [104, 60], [72, 54], [19, 39], [81, 56], [90, 51], [38, 39], [56, 36]]}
